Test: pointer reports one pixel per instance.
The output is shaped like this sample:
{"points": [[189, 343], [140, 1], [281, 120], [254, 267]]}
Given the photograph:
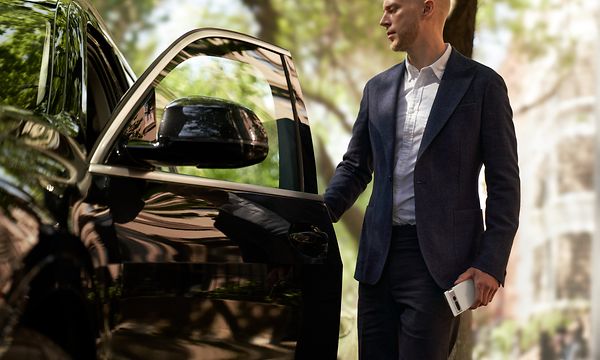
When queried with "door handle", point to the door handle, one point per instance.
{"points": [[309, 240]]}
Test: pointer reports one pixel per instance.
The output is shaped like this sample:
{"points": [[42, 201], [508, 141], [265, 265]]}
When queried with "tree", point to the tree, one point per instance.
{"points": [[459, 31], [460, 26]]}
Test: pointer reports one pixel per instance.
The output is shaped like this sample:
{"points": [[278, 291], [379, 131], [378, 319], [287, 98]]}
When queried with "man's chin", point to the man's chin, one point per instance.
{"points": [[396, 47]]}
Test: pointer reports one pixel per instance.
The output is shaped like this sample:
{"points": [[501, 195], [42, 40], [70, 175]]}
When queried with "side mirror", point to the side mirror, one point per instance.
{"points": [[207, 133]]}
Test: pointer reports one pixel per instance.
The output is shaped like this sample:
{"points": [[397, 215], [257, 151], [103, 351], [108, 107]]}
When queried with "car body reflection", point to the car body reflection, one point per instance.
{"points": [[210, 268]]}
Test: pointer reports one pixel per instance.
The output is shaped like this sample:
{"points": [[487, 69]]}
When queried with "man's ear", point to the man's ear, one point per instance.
{"points": [[428, 7]]}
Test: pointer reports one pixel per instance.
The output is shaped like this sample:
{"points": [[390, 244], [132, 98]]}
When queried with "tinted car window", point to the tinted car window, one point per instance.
{"points": [[24, 54]]}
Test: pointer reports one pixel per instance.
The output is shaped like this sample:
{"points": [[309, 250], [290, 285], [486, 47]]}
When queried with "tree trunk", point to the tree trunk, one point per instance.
{"points": [[460, 26], [459, 32], [266, 16]]}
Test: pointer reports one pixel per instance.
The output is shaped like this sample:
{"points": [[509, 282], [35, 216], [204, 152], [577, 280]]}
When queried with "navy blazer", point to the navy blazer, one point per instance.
{"points": [[470, 125]]}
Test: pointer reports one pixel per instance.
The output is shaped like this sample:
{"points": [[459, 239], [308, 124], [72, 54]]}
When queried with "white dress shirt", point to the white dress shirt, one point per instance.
{"points": [[415, 98]]}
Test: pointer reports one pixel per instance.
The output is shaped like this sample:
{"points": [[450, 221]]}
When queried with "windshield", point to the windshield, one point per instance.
{"points": [[24, 52]]}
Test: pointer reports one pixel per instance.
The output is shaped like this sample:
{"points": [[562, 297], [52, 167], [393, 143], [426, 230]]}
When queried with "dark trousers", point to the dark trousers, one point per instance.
{"points": [[405, 314]]}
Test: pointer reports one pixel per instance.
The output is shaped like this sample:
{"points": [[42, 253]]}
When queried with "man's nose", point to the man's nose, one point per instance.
{"points": [[384, 21]]}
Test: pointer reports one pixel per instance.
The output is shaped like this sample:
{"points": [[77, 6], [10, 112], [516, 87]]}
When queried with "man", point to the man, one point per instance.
{"points": [[425, 128]]}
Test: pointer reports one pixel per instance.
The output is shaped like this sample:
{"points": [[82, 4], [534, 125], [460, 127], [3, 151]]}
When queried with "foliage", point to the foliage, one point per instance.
{"points": [[533, 31], [136, 25], [500, 14], [235, 81]]}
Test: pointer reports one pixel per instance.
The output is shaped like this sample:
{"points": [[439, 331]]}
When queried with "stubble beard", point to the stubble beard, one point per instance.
{"points": [[405, 39]]}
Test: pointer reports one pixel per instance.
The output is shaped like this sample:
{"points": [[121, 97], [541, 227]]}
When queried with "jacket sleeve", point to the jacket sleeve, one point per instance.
{"points": [[499, 151], [355, 171]]}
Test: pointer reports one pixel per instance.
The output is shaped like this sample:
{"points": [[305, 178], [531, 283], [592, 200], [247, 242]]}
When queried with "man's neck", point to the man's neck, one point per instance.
{"points": [[426, 53]]}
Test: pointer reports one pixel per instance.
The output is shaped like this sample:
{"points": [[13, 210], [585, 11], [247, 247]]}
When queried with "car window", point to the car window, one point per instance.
{"points": [[25, 51], [235, 72]]}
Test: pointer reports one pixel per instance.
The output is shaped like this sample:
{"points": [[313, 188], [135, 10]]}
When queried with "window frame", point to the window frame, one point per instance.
{"points": [[136, 94]]}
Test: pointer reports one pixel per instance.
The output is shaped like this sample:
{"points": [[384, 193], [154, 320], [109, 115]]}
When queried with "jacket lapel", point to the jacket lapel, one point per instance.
{"points": [[386, 103], [455, 83]]}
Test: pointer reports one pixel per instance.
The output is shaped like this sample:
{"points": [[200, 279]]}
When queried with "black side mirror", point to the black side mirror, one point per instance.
{"points": [[207, 133]]}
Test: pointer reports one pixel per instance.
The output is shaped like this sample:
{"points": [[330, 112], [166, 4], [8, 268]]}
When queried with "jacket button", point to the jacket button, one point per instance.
{"points": [[390, 177], [421, 182]]}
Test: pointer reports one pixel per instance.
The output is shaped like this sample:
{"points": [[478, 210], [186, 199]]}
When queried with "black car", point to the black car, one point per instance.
{"points": [[170, 217]]}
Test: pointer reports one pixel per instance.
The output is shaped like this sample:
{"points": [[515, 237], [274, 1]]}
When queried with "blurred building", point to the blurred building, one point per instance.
{"points": [[551, 76]]}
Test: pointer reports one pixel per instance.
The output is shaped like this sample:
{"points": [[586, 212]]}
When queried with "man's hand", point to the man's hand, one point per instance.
{"points": [[485, 286]]}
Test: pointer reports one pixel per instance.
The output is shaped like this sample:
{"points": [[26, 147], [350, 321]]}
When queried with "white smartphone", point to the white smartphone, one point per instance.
{"points": [[461, 297]]}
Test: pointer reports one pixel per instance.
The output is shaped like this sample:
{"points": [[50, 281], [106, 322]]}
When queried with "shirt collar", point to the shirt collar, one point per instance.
{"points": [[438, 67]]}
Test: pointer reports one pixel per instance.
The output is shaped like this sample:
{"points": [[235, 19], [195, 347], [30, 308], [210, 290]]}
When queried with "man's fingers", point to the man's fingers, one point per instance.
{"points": [[491, 296], [486, 296], [485, 286], [464, 276], [483, 294], [479, 296], [461, 278], [478, 300]]}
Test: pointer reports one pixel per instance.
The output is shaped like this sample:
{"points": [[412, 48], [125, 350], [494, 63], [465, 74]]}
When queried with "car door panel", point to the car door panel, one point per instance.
{"points": [[202, 264], [224, 267]]}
